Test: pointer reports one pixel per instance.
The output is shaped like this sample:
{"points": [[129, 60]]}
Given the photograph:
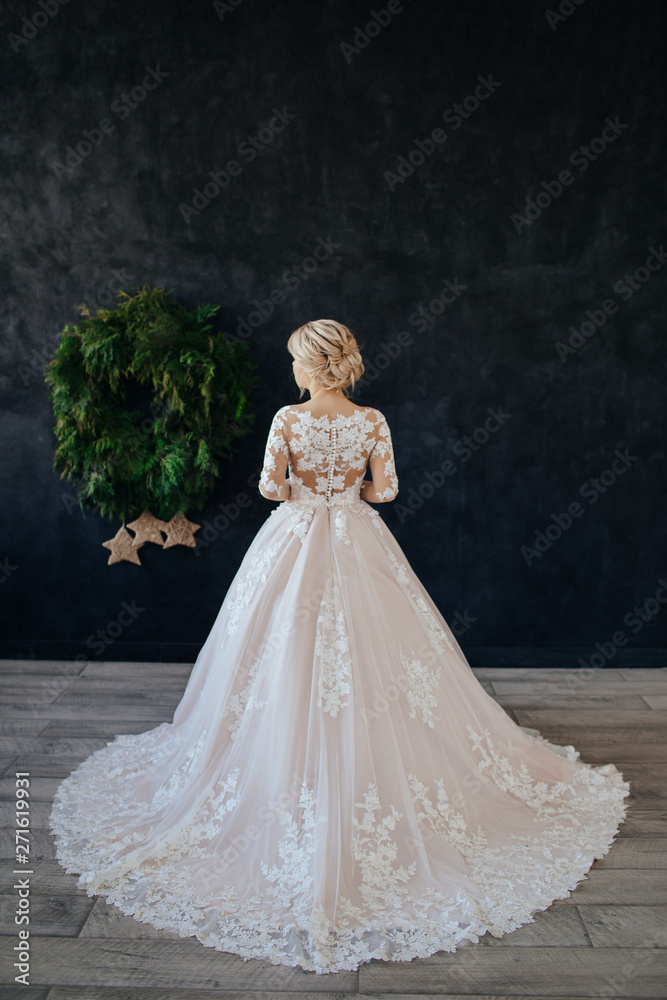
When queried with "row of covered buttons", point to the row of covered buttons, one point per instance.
{"points": [[332, 462]]}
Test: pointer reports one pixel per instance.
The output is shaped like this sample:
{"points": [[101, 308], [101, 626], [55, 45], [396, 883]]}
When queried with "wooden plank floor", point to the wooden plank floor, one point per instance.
{"points": [[607, 939]]}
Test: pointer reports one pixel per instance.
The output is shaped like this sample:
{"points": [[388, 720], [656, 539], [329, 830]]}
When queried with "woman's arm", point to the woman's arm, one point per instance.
{"points": [[272, 482], [384, 484], [370, 494], [272, 490]]}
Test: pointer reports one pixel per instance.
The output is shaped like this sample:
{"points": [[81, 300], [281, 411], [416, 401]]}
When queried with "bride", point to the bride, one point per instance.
{"points": [[336, 786]]}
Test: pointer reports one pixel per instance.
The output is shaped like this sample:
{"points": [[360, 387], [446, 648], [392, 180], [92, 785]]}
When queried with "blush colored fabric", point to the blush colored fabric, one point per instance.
{"points": [[336, 785]]}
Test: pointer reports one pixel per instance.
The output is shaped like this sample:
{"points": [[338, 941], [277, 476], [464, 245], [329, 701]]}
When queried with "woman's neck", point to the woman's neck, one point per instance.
{"points": [[327, 394], [329, 401]]}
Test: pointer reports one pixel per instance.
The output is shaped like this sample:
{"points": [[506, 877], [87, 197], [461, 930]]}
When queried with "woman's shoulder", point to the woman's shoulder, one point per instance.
{"points": [[377, 415], [307, 407], [294, 410], [282, 412]]}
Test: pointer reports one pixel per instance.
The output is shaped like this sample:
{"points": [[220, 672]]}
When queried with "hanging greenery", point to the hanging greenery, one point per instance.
{"points": [[147, 401]]}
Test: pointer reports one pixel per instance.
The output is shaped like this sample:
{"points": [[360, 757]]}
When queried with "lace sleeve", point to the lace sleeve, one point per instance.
{"points": [[272, 482], [381, 460]]}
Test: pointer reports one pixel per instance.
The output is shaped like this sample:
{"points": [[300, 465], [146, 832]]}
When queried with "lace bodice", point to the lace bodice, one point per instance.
{"points": [[327, 456]]}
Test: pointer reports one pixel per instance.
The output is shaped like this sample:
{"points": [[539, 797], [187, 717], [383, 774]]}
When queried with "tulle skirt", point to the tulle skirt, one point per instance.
{"points": [[336, 785]]}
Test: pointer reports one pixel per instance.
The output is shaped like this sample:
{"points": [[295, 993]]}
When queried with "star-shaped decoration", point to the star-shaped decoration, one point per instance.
{"points": [[147, 528], [122, 547], [180, 531]]}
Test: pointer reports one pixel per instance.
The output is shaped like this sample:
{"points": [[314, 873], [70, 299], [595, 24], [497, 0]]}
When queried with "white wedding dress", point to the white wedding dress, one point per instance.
{"points": [[336, 785]]}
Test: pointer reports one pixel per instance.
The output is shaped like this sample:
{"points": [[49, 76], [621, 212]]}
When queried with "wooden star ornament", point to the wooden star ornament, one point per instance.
{"points": [[147, 528], [122, 547], [180, 531]]}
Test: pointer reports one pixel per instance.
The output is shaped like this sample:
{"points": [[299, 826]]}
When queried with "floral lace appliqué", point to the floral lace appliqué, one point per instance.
{"points": [[279, 920], [383, 885], [247, 586], [530, 870], [300, 521], [340, 521], [438, 635], [422, 687], [291, 881], [244, 702], [327, 455], [179, 778], [332, 645]]}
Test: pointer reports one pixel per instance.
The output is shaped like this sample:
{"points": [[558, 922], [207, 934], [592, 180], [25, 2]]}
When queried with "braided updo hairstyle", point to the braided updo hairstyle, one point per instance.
{"points": [[328, 352]]}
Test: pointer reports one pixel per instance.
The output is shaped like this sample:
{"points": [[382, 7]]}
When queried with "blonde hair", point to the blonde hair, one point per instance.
{"points": [[328, 352]]}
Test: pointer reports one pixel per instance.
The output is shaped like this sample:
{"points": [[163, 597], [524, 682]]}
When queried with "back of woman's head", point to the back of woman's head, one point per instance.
{"points": [[328, 352]]}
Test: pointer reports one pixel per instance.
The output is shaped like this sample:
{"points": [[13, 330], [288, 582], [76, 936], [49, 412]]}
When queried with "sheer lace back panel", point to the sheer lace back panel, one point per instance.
{"points": [[327, 456]]}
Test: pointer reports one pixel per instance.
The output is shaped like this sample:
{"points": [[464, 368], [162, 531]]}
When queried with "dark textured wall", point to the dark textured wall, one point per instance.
{"points": [[461, 237]]}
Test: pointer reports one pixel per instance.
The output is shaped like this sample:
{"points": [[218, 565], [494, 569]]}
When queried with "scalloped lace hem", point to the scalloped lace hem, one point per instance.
{"points": [[318, 946]]}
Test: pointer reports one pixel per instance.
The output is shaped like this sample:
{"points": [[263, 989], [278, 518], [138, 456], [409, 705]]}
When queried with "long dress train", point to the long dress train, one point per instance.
{"points": [[336, 785]]}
